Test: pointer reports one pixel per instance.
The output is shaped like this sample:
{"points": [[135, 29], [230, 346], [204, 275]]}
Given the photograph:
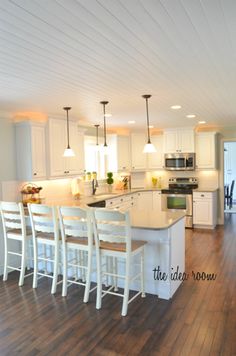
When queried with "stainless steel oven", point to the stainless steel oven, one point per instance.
{"points": [[179, 197]]}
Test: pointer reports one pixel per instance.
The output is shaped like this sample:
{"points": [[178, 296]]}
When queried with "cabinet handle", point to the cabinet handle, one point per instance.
{"points": [[123, 167], [202, 195], [35, 174], [132, 197], [121, 200]]}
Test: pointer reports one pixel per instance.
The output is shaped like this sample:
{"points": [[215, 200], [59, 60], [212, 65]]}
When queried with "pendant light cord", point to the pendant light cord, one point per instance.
{"points": [[148, 129], [146, 97], [68, 130], [104, 115]]}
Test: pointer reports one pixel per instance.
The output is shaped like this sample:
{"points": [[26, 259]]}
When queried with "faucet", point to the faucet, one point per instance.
{"points": [[94, 185]]}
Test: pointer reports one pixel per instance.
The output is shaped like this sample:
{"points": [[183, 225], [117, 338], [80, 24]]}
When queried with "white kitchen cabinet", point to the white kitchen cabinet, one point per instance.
{"points": [[205, 209], [57, 138], [156, 200], [118, 159], [138, 158], [123, 202], [30, 150], [179, 140], [144, 199], [156, 159], [206, 150]]}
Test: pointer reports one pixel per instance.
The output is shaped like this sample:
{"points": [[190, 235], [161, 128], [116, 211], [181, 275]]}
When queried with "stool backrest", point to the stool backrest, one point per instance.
{"points": [[112, 226], [13, 217], [43, 220], [75, 222], [232, 188]]}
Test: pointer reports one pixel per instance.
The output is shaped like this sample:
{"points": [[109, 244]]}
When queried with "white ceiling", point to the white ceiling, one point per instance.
{"points": [[56, 53]]}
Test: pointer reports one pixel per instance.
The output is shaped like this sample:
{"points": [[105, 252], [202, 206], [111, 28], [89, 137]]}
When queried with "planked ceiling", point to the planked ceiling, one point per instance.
{"points": [[56, 53]]}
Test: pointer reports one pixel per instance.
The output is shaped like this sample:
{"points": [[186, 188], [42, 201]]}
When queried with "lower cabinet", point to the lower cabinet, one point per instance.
{"points": [[205, 209], [144, 199], [156, 200], [122, 202]]}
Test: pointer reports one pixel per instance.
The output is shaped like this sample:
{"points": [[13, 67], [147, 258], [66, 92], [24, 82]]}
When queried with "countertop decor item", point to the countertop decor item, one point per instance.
{"points": [[68, 151], [31, 194], [149, 147], [110, 181]]}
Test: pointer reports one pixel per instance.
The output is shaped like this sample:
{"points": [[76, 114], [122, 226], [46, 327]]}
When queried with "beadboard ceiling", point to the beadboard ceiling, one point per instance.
{"points": [[57, 53]]}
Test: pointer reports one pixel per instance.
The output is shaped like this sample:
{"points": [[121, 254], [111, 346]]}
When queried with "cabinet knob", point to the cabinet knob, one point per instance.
{"points": [[123, 167], [35, 174], [202, 195]]}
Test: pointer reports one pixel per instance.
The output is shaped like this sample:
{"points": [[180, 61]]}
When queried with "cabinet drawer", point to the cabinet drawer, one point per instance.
{"points": [[202, 195]]}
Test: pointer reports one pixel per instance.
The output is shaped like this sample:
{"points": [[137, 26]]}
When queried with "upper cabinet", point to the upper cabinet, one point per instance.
{"points": [[138, 158], [118, 158], [156, 159], [206, 150], [179, 140], [30, 150], [60, 166]]}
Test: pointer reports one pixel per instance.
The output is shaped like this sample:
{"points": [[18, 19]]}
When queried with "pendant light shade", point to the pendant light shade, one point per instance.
{"points": [[105, 147], [68, 151], [149, 147], [97, 144]]}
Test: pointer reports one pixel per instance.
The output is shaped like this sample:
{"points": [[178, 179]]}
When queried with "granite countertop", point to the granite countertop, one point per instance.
{"points": [[150, 219]]}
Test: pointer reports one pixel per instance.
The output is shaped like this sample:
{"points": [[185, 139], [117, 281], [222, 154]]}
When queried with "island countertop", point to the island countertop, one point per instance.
{"points": [[150, 219]]}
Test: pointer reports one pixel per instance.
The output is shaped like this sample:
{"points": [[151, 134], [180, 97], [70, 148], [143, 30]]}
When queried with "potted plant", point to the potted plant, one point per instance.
{"points": [[110, 181]]}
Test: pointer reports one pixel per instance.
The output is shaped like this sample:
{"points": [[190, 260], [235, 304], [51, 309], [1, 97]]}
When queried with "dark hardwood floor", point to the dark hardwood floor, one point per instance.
{"points": [[199, 320]]}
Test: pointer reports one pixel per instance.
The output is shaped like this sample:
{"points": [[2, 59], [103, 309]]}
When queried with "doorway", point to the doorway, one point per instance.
{"points": [[229, 177]]}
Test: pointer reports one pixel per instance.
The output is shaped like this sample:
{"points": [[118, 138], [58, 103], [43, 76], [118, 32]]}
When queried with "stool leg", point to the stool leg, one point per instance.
{"points": [[5, 273], [55, 270], [88, 277], [35, 275], [143, 295], [23, 263], [126, 289], [64, 261], [115, 271], [99, 280]]}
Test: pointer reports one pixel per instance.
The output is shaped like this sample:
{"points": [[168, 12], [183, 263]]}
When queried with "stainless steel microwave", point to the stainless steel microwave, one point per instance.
{"points": [[180, 161]]}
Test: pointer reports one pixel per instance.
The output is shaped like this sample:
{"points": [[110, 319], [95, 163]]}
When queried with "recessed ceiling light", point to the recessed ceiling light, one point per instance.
{"points": [[151, 126], [108, 115], [201, 122], [176, 107], [190, 116], [131, 122]]}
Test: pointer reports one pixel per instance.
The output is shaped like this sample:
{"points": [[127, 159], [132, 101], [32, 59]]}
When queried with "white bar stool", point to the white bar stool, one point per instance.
{"points": [[14, 228], [76, 232], [112, 232], [45, 229]]}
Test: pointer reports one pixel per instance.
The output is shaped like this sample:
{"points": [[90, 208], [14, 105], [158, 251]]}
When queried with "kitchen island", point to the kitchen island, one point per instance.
{"points": [[164, 264]]}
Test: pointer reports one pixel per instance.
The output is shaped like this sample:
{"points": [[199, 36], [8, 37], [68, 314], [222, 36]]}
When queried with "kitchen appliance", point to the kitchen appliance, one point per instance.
{"points": [[179, 197], [180, 161]]}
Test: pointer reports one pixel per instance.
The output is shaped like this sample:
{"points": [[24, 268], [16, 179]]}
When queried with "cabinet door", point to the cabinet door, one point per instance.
{"points": [[30, 151], [156, 159], [186, 141], [38, 152], [202, 212], [57, 145], [75, 165], [156, 201], [138, 158], [170, 141], [123, 153], [144, 199], [206, 150]]}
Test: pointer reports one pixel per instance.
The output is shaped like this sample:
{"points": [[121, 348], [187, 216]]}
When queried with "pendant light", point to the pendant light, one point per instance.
{"points": [[97, 144], [149, 147], [105, 147], [68, 151]]}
